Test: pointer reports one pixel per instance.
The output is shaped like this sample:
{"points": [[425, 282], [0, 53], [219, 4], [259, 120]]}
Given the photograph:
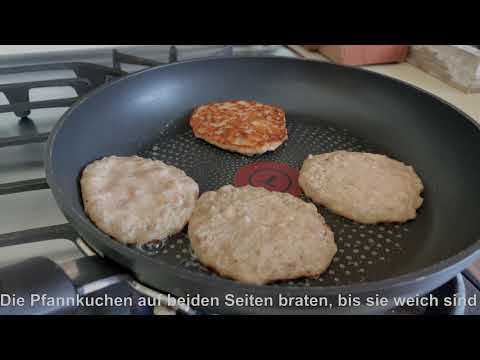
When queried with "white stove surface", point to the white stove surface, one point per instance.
{"points": [[33, 209]]}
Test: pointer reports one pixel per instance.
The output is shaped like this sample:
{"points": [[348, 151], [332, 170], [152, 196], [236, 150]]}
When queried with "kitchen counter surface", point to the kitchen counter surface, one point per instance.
{"points": [[469, 103]]}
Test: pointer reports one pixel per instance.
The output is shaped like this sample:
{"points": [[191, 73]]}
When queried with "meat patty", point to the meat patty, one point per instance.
{"points": [[367, 188], [137, 200], [256, 236], [246, 127]]}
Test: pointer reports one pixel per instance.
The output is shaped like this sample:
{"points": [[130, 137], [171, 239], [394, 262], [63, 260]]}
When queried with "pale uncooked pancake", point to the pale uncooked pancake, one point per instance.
{"points": [[137, 200], [246, 127], [256, 236], [367, 188]]}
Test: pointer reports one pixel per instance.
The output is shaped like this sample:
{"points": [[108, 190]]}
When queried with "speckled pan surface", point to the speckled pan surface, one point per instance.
{"points": [[328, 107], [365, 252]]}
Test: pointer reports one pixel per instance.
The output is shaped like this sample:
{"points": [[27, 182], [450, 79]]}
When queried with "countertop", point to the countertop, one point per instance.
{"points": [[469, 103]]}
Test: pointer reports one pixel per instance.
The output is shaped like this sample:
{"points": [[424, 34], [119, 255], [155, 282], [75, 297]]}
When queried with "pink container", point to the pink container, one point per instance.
{"points": [[362, 54]]}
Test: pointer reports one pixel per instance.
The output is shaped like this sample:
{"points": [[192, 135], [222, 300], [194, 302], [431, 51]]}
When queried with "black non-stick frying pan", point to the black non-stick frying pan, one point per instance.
{"points": [[328, 107]]}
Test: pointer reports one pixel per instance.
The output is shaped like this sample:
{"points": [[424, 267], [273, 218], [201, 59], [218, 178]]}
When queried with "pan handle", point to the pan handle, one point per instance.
{"points": [[80, 277], [39, 286], [23, 288]]}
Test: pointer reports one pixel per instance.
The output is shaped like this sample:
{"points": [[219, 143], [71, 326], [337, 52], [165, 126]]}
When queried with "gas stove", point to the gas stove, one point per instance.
{"points": [[33, 96]]}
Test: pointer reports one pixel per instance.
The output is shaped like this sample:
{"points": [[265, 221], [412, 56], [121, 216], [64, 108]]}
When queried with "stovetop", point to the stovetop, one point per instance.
{"points": [[28, 112], [32, 209]]}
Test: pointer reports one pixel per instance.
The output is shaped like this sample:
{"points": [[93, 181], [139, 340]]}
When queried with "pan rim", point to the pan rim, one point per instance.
{"points": [[460, 260]]}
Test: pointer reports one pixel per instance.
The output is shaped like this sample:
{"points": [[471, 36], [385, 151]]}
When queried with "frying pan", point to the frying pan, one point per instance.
{"points": [[328, 107]]}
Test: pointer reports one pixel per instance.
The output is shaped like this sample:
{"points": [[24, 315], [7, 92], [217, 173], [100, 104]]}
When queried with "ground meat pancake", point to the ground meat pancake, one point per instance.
{"points": [[137, 200], [367, 188], [246, 127], [256, 236]]}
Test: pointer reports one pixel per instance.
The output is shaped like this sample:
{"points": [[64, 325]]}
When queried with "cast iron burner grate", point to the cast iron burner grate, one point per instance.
{"points": [[88, 77], [91, 76]]}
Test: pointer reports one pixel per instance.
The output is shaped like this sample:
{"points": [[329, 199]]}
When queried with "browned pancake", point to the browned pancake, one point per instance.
{"points": [[246, 127]]}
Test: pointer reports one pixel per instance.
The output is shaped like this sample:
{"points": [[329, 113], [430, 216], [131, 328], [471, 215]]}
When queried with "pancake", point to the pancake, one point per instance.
{"points": [[245, 127], [367, 188], [136, 200], [255, 236]]}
